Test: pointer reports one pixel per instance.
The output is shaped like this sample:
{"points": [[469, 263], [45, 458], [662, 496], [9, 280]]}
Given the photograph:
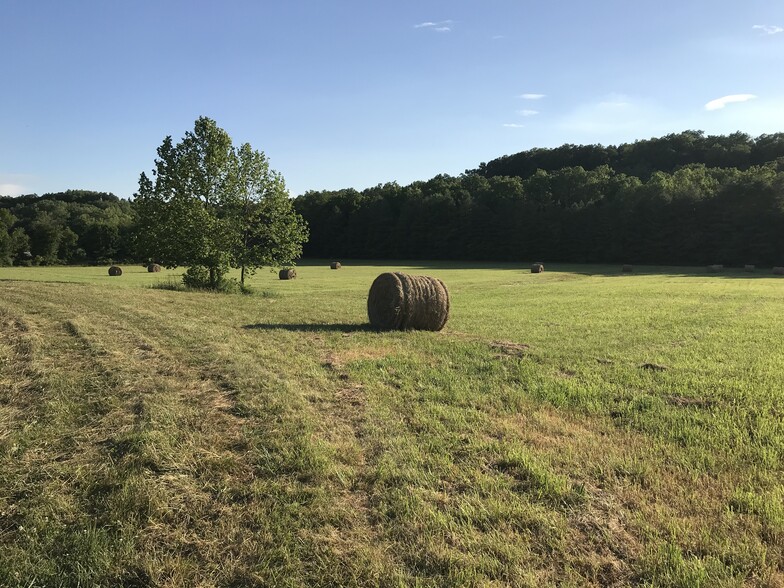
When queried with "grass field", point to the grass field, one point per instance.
{"points": [[576, 427]]}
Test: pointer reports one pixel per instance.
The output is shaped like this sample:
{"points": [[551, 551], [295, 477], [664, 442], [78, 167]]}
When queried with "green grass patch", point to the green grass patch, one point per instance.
{"points": [[576, 427]]}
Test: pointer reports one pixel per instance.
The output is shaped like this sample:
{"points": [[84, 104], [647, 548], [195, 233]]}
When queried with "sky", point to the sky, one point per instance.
{"points": [[353, 93]]}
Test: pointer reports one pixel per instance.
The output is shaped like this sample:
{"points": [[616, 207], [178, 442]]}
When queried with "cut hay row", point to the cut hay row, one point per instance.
{"points": [[398, 301]]}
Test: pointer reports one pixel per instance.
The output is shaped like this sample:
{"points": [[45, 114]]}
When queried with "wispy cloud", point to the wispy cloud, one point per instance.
{"points": [[442, 26], [769, 29], [614, 117], [532, 96], [513, 126], [16, 184], [11, 190], [720, 103], [527, 112], [496, 37]]}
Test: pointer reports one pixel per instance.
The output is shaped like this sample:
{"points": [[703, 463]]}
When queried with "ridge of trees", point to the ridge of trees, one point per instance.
{"points": [[681, 199], [644, 157], [571, 204], [75, 226]]}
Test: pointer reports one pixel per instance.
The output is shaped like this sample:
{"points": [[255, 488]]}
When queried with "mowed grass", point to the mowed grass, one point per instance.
{"points": [[576, 427]]}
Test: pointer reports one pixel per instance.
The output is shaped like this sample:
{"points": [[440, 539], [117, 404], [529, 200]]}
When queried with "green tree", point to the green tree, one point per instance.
{"points": [[268, 231], [211, 207]]}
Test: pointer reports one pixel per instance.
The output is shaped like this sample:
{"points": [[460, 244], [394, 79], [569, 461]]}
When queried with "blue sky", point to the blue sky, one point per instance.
{"points": [[352, 93]]}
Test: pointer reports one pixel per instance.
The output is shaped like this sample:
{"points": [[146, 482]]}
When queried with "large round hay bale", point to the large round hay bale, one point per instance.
{"points": [[627, 269], [335, 265], [288, 273], [115, 271], [779, 271], [397, 301], [749, 268], [154, 268], [715, 268], [537, 268]]}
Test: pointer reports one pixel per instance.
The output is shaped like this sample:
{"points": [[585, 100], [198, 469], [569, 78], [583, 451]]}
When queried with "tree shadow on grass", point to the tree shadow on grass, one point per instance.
{"points": [[312, 327]]}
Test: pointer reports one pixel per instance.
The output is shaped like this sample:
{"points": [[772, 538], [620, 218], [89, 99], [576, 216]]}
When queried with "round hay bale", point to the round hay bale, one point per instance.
{"points": [[715, 268], [154, 268], [749, 268], [627, 269], [537, 268], [779, 271], [288, 273], [115, 271], [397, 301], [335, 265]]}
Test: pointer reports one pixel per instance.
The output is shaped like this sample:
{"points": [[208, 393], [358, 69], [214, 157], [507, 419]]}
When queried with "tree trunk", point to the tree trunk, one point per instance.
{"points": [[213, 285], [242, 277]]}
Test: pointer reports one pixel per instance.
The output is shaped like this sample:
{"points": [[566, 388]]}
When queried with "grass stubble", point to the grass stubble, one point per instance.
{"points": [[161, 438]]}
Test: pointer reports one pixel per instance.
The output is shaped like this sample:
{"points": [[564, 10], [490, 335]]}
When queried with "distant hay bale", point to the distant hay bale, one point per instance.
{"points": [[288, 273], [335, 265], [779, 271], [749, 268], [537, 268], [626, 268], [715, 268], [115, 271], [154, 268], [397, 301]]}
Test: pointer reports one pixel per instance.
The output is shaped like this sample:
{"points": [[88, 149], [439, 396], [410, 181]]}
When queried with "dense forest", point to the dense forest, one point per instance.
{"points": [[76, 226], [686, 198], [681, 199]]}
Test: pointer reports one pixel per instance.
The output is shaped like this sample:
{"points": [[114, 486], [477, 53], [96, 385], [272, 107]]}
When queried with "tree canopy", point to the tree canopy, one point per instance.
{"points": [[212, 207]]}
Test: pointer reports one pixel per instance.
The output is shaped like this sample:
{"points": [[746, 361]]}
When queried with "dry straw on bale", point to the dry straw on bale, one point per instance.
{"points": [[398, 301], [537, 268], [627, 268], [287, 273], [779, 271], [115, 271], [749, 268], [153, 267], [335, 265], [716, 268]]}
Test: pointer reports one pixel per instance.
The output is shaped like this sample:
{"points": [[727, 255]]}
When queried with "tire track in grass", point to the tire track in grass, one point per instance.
{"points": [[51, 536], [262, 508]]}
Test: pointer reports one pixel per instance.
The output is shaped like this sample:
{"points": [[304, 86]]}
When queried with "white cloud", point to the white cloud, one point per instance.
{"points": [[441, 26], [720, 103], [769, 29], [12, 190], [496, 37], [532, 96], [513, 126], [527, 112], [613, 118]]}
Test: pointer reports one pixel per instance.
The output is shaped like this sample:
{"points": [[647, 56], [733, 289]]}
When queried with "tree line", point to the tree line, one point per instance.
{"points": [[75, 226], [642, 158], [695, 215], [681, 199]]}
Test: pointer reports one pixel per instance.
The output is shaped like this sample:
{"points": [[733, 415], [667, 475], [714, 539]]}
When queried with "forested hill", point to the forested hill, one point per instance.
{"points": [[682, 199], [571, 204], [642, 158], [75, 226]]}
